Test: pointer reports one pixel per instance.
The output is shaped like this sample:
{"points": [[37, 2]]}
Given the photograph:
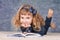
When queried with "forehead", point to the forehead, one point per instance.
{"points": [[25, 12], [25, 16]]}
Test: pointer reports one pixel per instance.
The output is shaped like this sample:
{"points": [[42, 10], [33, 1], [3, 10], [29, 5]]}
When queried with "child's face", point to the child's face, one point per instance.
{"points": [[25, 20]]}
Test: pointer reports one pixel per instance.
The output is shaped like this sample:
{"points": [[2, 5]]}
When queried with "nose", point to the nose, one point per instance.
{"points": [[25, 21]]}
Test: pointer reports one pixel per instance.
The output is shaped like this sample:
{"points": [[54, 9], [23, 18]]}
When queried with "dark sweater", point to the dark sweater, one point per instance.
{"points": [[43, 30]]}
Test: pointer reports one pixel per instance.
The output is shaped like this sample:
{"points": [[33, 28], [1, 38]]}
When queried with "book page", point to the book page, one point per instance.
{"points": [[24, 35]]}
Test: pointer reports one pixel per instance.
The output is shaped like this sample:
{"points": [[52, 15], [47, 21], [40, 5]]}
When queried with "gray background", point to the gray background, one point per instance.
{"points": [[9, 7]]}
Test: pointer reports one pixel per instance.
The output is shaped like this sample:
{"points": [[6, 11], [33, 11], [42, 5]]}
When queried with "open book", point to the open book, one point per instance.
{"points": [[25, 35]]}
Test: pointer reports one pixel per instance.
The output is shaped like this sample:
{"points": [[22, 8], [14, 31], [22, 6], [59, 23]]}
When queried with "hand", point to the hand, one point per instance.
{"points": [[24, 32], [50, 13]]}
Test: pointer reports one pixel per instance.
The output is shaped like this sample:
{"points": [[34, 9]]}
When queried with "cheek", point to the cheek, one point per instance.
{"points": [[30, 20], [21, 20]]}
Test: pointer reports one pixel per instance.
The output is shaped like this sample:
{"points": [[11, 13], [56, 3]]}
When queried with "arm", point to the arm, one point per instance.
{"points": [[47, 23], [45, 28], [48, 20]]}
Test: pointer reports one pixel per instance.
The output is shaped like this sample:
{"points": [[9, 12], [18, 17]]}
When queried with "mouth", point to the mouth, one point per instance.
{"points": [[25, 25]]}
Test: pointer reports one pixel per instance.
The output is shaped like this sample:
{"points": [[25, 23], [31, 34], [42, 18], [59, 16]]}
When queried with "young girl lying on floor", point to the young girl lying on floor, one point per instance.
{"points": [[30, 21]]}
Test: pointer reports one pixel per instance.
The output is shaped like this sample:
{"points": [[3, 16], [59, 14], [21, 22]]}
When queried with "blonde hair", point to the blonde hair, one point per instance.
{"points": [[37, 20]]}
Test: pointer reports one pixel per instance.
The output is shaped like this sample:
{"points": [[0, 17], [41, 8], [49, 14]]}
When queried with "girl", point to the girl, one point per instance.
{"points": [[29, 20]]}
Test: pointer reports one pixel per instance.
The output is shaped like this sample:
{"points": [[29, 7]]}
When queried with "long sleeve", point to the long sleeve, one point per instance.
{"points": [[45, 28], [47, 24]]}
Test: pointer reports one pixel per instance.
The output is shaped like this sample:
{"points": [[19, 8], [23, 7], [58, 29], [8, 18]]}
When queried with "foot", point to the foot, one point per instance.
{"points": [[53, 25]]}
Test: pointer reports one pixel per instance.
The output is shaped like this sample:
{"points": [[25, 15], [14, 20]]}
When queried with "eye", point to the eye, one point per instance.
{"points": [[28, 17], [22, 17]]}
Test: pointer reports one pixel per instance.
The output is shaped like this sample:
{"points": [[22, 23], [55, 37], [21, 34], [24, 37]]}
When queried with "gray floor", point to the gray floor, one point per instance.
{"points": [[49, 36]]}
